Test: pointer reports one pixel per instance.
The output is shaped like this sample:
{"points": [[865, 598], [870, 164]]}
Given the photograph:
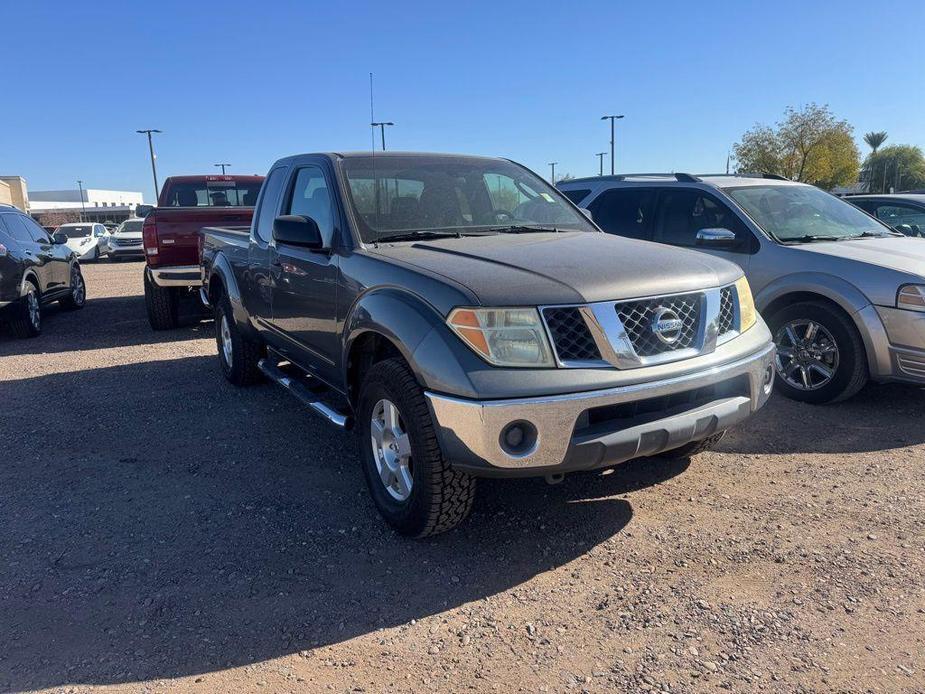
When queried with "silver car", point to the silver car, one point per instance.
{"points": [[843, 294]]}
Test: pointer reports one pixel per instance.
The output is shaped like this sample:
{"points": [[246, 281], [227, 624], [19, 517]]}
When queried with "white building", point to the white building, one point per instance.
{"points": [[97, 205]]}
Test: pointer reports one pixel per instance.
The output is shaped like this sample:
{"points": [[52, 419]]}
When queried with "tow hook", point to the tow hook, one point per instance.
{"points": [[556, 478]]}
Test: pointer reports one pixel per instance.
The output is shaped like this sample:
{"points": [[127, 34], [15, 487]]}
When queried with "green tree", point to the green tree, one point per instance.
{"points": [[809, 145], [875, 139], [900, 167]]}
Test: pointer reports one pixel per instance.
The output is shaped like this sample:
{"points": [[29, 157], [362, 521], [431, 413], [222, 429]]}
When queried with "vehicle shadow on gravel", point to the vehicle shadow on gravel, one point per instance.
{"points": [[103, 323], [202, 527], [880, 417]]}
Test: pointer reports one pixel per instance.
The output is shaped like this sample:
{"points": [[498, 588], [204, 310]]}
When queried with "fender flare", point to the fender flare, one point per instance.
{"points": [[438, 359], [851, 300], [222, 270]]}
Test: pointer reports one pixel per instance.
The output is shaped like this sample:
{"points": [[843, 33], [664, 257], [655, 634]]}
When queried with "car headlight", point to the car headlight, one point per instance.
{"points": [[748, 316], [911, 297], [503, 336]]}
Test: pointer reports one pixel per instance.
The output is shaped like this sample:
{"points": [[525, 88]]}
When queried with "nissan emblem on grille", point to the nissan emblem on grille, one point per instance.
{"points": [[667, 325]]}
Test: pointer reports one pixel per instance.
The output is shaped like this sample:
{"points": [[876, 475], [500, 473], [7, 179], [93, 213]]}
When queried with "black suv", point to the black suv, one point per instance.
{"points": [[34, 270]]}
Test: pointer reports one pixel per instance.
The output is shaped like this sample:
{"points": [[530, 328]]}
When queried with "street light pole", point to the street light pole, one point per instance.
{"points": [[153, 157], [381, 125], [612, 119], [600, 162], [223, 167], [553, 165], [83, 208]]}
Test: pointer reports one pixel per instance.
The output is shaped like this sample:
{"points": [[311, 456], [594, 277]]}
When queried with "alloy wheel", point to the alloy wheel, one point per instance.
{"points": [[227, 347], [78, 289], [35, 311], [391, 450], [807, 354]]}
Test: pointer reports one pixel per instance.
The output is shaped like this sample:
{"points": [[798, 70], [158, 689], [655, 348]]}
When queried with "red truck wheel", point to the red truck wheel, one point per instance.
{"points": [[162, 304]]}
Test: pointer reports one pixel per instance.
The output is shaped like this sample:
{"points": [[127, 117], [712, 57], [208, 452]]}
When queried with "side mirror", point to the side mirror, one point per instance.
{"points": [[143, 210], [587, 213], [297, 230], [59, 237], [716, 238]]}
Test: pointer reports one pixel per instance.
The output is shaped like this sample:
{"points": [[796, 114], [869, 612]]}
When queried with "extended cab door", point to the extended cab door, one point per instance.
{"points": [[682, 212], [258, 289], [304, 280]]}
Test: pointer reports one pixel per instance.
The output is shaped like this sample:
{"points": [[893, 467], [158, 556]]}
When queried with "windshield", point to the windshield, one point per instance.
{"points": [[75, 232], [394, 195], [799, 213], [130, 226]]}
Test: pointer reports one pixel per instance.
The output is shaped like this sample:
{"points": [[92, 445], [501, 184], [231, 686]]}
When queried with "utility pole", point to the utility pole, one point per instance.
{"points": [[83, 208], [153, 157], [553, 165], [223, 167], [612, 119], [381, 125], [600, 162]]}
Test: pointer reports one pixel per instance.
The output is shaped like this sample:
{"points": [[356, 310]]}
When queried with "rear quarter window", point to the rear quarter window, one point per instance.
{"points": [[576, 196]]}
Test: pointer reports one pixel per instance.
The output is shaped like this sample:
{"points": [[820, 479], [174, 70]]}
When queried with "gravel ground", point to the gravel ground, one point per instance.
{"points": [[162, 530]]}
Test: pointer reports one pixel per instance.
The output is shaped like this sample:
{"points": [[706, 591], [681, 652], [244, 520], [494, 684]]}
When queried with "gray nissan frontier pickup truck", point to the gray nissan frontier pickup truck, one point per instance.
{"points": [[469, 321]]}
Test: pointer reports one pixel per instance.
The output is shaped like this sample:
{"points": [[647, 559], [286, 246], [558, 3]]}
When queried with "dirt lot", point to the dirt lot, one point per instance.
{"points": [[162, 530]]}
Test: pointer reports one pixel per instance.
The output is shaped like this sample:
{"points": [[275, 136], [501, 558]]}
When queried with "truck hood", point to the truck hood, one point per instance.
{"points": [[901, 253], [563, 268]]}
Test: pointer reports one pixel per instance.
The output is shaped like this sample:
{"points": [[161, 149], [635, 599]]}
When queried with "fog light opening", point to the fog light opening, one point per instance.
{"points": [[518, 438], [768, 379]]}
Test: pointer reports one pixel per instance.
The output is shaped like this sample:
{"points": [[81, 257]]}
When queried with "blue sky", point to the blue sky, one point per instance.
{"points": [[247, 82]]}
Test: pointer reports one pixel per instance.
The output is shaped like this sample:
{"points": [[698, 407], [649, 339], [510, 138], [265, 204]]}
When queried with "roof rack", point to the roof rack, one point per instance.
{"points": [[745, 174], [683, 177]]}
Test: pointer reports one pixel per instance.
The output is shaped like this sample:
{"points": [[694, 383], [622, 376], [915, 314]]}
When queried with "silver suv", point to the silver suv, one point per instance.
{"points": [[843, 294]]}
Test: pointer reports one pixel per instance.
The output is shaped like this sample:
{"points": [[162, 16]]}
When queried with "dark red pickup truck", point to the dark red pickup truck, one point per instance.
{"points": [[171, 235]]}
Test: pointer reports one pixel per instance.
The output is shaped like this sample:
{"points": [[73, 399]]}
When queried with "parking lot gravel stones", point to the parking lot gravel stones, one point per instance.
{"points": [[164, 531]]}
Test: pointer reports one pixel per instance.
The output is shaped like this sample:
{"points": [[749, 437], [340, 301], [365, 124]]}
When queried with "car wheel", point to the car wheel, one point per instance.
{"points": [[28, 321], [238, 354], [820, 355], [162, 305], [413, 486], [693, 448], [78, 296]]}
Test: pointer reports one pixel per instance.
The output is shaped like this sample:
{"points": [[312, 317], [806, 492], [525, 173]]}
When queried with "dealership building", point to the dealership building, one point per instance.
{"points": [[94, 204]]}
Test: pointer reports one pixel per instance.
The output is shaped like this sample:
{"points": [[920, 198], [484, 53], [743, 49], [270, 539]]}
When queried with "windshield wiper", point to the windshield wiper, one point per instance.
{"points": [[416, 234], [809, 238], [523, 229], [877, 234]]}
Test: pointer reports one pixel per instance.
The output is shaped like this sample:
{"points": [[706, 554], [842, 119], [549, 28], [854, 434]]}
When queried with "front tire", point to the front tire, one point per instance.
{"points": [[820, 355], [28, 320], [162, 304], [238, 354], [78, 296], [413, 486]]}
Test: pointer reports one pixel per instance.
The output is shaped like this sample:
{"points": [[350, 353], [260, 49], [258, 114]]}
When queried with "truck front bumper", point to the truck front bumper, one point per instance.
{"points": [[176, 276], [550, 435]]}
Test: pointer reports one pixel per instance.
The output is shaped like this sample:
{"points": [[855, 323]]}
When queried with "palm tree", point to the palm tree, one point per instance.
{"points": [[875, 139]]}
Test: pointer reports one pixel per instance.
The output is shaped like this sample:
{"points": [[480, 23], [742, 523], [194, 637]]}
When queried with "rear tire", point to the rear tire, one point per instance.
{"points": [[162, 304], [78, 296], [440, 497], [238, 354], [693, 448], [28, 320], [834, 329]]}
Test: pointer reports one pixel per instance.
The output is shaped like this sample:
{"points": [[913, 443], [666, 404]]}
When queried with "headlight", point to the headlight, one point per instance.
{"points": [[503, 336], [911, 297], [747, 314]]}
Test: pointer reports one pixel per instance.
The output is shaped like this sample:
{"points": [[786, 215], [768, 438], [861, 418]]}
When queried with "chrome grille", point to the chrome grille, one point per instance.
{"points": [[570, 334], [125, 242], [638, 318], [726, 311]]}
